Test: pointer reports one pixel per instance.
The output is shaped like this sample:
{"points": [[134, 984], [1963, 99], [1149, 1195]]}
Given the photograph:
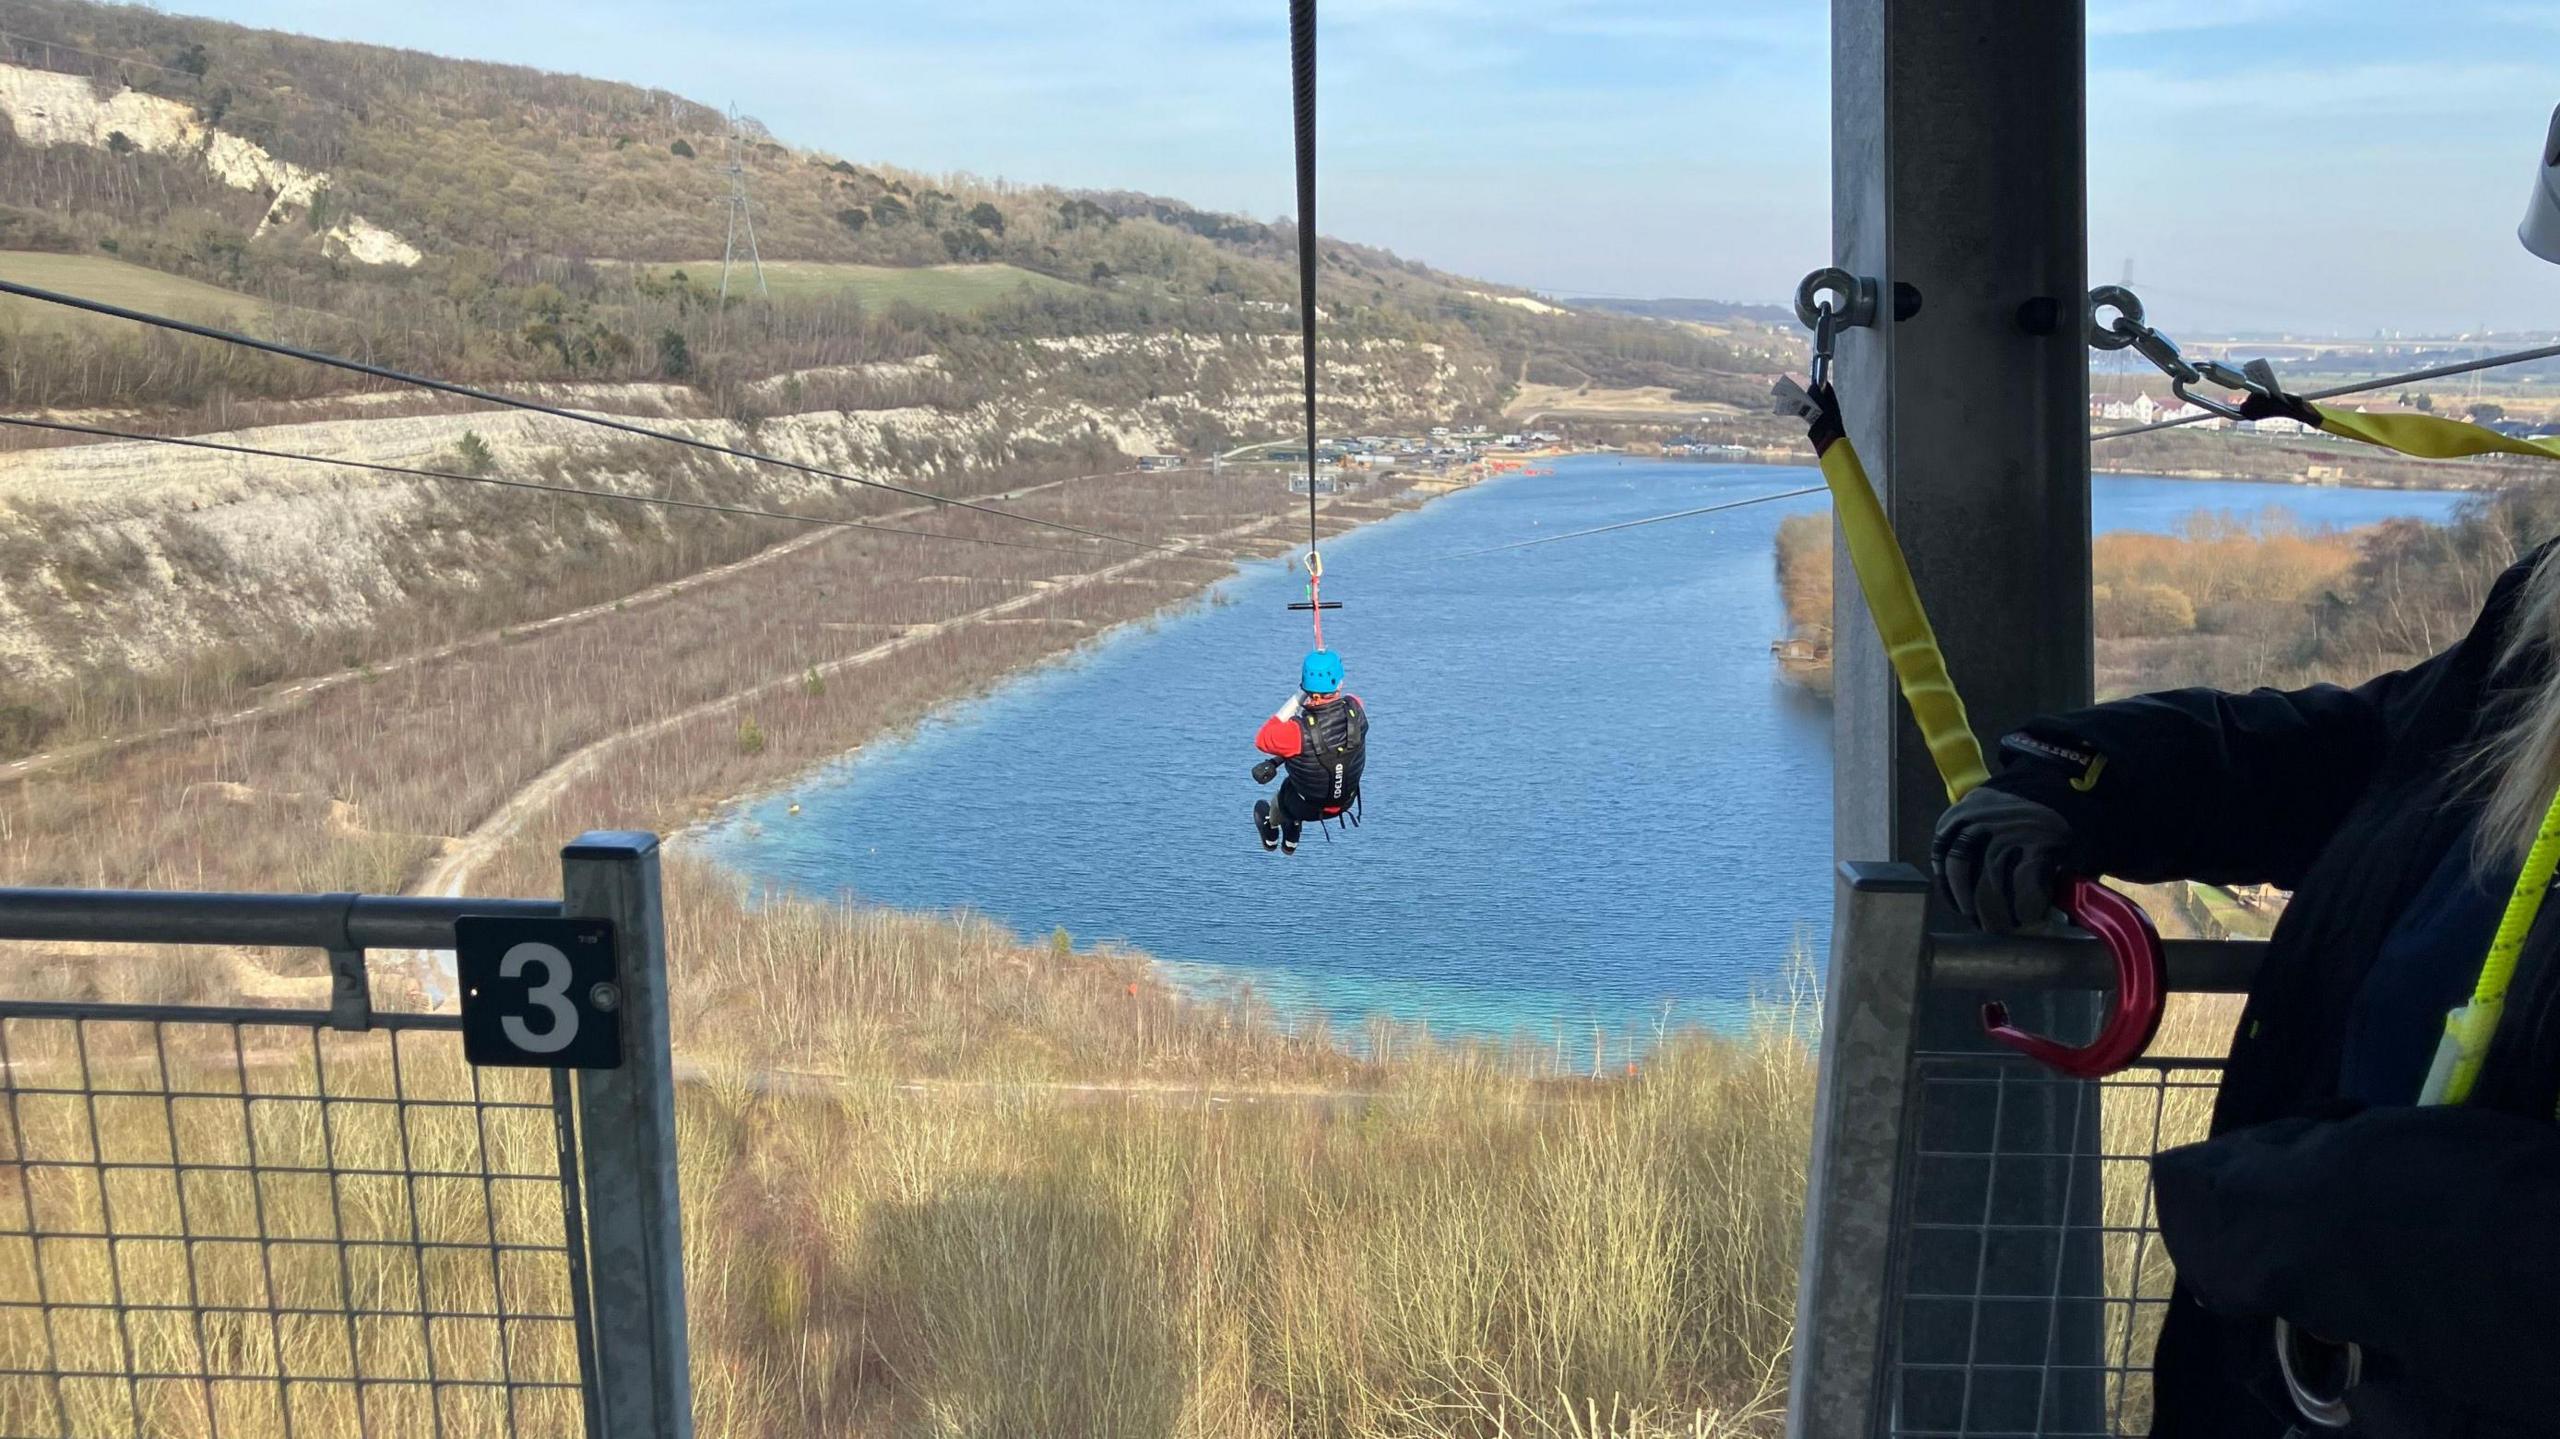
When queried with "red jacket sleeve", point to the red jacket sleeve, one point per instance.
{"points": [[1279, 737]]}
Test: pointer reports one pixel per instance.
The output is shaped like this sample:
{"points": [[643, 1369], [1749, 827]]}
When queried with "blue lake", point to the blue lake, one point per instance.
{"points": [[1591, 800]]}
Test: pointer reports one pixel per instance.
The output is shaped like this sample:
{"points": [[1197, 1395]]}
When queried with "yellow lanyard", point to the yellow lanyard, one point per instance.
{"points": [[2469, 1030], [1884, 577]]}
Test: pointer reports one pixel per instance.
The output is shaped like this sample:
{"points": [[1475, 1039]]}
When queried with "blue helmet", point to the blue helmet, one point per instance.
{"points": [[1322, 672]]}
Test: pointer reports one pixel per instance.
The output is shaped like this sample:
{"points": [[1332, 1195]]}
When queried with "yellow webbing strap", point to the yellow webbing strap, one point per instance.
{"points": [[1884, 578], [2430, 437], [2469, 1029]]}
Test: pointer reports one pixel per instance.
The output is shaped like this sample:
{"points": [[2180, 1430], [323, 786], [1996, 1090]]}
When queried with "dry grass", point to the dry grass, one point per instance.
{"points": [[1250, 1235], [1236, 1230], [2140, 1114], [197, 1249], [1106, 1210]]}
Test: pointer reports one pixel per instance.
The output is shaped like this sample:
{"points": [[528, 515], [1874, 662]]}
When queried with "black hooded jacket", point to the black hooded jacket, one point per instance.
{"points": [[2429, 1236]]}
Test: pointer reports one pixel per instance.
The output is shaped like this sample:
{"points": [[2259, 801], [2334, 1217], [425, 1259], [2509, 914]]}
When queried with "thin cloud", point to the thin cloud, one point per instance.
{"points": [[2170, 17], [2363, 91]]}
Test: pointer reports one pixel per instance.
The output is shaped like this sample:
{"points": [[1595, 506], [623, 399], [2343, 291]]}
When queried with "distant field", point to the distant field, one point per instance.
{"points": [[96, 277], [1651, 402], [933, 287]]}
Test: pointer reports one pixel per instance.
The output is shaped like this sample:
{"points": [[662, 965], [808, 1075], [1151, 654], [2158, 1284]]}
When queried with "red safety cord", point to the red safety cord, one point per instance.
{"points": [[1315, 597]]}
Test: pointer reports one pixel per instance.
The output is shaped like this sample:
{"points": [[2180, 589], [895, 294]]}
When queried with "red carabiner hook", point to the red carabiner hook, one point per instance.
{"points": [[2133, 1017]]}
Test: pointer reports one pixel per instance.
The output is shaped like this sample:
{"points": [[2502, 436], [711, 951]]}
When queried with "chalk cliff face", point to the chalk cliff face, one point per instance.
{"points": [[126, 556], [46, 108]]}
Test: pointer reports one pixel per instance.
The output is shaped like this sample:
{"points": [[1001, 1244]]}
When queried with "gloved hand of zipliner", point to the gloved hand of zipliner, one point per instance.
{"points": [[2000, 858], [1818, 407], [2271, 401]]}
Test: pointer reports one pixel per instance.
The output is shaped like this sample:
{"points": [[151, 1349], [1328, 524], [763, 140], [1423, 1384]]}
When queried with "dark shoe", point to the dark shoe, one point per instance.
{"points": [[1262, 825]]}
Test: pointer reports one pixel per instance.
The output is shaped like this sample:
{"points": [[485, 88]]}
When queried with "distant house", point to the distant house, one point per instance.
{"points": [[1160, 462], [2142, 409]]}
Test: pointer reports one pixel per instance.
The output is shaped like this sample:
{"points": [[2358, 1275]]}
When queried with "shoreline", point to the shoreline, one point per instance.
{"points": [[1425, 488], [1191, 981], [687, 820], [735, 701], [2482, 485], [749, 845], [703, 834]]}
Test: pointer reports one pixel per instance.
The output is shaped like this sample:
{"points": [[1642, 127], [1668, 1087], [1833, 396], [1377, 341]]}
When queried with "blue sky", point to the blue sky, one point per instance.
{"points": [[2274, 164]]}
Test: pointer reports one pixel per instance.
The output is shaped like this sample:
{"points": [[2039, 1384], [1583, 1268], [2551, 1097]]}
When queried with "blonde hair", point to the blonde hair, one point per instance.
{"points": [[2520, 766]]}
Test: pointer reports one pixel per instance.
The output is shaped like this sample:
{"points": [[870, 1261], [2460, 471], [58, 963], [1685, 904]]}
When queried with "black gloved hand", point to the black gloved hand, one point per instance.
{"points": [[2279, 406], [1999, 858], [1263, 772], [1824, 429]]}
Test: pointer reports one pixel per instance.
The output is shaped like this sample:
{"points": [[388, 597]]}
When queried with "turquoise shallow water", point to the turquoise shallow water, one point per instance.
{"points": [[1591, 800]]}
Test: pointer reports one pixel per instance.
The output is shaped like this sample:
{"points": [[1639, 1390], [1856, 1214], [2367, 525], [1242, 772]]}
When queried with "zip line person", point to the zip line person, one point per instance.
{"points": [[1321, 736]]}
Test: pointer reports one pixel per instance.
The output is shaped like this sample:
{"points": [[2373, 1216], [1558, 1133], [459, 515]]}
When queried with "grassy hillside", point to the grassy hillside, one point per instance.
{"points": [[100, 278], [510, 186], [1722, 314], [943, 289]]}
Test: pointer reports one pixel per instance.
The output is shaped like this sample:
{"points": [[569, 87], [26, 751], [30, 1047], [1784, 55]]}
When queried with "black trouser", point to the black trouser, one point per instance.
{"points": [[1291, 809]]}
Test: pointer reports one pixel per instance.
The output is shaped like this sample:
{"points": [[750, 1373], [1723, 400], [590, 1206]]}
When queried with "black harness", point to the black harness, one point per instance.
{"points": [[1333, 750]]}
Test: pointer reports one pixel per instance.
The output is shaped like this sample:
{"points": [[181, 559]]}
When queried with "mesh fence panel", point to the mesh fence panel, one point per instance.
{"points": [[2053, 1321], [251, 1226]]}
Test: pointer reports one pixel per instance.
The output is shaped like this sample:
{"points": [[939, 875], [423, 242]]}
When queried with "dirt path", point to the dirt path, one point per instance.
{"points": [[277, 701], [452, 870]]}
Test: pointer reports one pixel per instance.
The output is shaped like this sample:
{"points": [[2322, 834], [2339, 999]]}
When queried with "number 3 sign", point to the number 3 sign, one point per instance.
{"points": [[543, 993]]}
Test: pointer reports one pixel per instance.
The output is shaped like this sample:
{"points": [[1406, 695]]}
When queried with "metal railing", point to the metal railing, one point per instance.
{"points": [[1980, 1257], [273, 1222]]}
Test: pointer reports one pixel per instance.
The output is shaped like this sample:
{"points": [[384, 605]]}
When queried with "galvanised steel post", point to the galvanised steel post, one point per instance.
{"points": [[1958, 170], [1879, 934], [642, 1386]]}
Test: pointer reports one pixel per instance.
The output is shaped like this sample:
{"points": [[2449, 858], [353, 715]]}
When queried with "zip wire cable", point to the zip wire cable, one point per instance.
{"points": [[2439, 372], [188, 442], [1631, 524], [491, 397], [1302, 77], [1302, 67]]}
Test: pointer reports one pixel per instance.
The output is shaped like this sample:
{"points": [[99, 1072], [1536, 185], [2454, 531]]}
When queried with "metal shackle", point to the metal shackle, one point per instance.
{"points": [[2128, 308], [1857, 303]]}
